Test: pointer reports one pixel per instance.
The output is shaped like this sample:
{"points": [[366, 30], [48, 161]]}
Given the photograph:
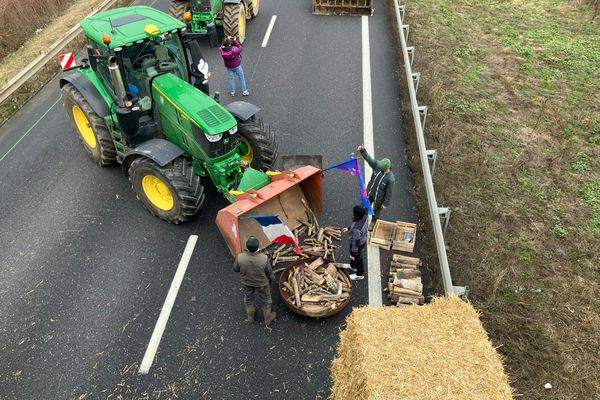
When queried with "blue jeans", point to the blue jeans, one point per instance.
{"points": [[232, 72]]}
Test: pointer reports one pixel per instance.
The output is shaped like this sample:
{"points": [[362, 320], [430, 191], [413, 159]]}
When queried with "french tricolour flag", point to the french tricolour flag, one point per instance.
{"points": [[276, 230]]}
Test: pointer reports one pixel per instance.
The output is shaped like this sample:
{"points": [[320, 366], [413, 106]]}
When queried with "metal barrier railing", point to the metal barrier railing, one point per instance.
{"points": [[419, 116]]}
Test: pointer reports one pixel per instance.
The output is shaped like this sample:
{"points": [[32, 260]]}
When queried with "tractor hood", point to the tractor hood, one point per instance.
{"points": [[200, 109]]}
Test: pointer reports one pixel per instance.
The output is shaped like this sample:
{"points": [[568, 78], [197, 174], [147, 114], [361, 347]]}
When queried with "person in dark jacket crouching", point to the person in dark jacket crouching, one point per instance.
{"points": [[256, 275], [357, 232], [381, 185]]}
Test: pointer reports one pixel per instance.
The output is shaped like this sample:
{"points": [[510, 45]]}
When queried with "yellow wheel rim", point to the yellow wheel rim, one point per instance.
{"points": [[242, 23], [157, 192], [83, 125], [255, 6], [247, 153]]}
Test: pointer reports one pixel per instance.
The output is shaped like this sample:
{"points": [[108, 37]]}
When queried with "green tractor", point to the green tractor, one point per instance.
{"points": [[203, 16], [140, 99]]}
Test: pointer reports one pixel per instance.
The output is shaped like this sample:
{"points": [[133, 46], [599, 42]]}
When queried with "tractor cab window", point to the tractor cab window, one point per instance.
{"points": [[102, 67], [143, 61]]}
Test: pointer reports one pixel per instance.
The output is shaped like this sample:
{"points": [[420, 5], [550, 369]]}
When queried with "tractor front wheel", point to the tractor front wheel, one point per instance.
{"points": [[253, 7], [173, 193], [234, 20], [178, 8], [91, 128], [257, 144]]}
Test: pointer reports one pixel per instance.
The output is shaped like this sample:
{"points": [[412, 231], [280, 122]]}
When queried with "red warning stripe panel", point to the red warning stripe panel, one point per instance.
{"points": [[67, 60]]}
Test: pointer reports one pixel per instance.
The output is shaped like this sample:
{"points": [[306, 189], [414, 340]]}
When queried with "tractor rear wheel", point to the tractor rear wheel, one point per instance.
{"points": [[91, 128], [178, 8], [253, 7], [173, 193], [234, 20], [257, 144]]}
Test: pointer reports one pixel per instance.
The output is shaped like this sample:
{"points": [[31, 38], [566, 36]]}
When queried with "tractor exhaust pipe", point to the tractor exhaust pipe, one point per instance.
{"points": [[117, 79]]}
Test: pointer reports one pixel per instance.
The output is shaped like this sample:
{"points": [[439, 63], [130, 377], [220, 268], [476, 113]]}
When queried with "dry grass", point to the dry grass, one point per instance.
{"points": [[436, 351], [49, 22], [38, 37], [20, 19], [512, 93]]}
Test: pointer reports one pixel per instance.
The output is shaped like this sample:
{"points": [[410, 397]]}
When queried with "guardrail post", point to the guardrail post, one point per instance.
{"points": [[423, 115], [461, 291], [432, 156], [402, 8], [411, 54], [416, 76], [444, 213], [405, 29]]}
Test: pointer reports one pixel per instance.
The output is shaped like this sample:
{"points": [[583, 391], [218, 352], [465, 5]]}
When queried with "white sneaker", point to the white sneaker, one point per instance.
{"points": [[355, 277], [232, 94], [245, 93]]}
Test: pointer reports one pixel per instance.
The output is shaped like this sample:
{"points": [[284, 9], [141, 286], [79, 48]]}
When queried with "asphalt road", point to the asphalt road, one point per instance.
{"points": [[85, 269]]}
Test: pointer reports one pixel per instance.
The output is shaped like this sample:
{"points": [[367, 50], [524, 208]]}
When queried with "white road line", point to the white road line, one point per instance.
{"points": [[167, 306], [374, 265], [269, 29]]}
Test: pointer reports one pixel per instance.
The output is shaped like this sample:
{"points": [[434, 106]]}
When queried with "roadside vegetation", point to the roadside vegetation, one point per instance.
{"points": [[30, 27], [21, 19], [512, 90]]}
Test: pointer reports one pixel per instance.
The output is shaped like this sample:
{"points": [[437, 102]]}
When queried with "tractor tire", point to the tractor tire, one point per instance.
{"points": [[234, 20], [259, 148], [90, 127], [173, 193], [253, 7], [178, 8]]}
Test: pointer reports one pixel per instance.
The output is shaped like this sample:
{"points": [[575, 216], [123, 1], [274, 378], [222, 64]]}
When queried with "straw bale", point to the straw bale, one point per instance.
{"points": [[436, 351]]}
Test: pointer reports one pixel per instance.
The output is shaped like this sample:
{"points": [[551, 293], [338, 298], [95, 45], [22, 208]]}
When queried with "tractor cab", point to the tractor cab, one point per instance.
{"points": [[144, 44]]}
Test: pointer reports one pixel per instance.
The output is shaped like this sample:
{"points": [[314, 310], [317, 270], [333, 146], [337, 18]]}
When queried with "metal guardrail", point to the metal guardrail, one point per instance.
{"points": [[419, 116], [18, 80]]}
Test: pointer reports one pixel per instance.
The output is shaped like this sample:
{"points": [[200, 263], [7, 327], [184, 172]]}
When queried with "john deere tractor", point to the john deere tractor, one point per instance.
{"points": [[203, 16], [140, 99]]}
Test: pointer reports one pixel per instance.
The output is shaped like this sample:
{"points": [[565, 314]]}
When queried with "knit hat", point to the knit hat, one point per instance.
{"points": [[252, 244], [359, 212], [384, 164]]}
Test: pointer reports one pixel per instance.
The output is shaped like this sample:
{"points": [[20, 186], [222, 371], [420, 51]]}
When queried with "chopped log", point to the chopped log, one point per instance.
{"points": [[314, 309], [296, 292], [288, 287], [405, 259], [397, 290], [410, 300], [331, 270], [411, 284], [315, 264], [311, 298]]}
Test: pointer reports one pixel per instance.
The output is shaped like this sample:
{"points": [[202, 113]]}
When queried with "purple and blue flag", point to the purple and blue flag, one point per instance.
{"points": [[353, 168]]}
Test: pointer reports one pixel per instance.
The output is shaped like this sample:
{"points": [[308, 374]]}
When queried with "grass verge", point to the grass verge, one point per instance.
{"points": [[38, 42], [513, 112]]}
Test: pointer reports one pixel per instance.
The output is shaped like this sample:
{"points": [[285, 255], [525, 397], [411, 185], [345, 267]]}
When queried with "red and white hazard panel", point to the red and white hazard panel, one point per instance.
{"points": [[66, 60]]}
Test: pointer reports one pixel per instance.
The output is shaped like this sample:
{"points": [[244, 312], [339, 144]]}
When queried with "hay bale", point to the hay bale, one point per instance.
{"points": [[436, 351]]}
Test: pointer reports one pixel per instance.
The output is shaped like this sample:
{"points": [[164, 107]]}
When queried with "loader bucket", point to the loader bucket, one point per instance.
{"points": [[342, 7], [282, 197]]}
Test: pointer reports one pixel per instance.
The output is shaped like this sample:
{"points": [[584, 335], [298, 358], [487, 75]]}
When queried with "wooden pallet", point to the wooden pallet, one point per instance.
{"points": [[399, 236]]}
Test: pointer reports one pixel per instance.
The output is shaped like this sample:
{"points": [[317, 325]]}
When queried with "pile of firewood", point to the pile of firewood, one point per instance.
{"points": [[405, 286], [316, 288], [314, 240]]}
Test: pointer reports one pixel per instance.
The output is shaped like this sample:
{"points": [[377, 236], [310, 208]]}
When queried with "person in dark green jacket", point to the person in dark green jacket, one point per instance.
{"points": [[381, 185], [256, 275]]}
